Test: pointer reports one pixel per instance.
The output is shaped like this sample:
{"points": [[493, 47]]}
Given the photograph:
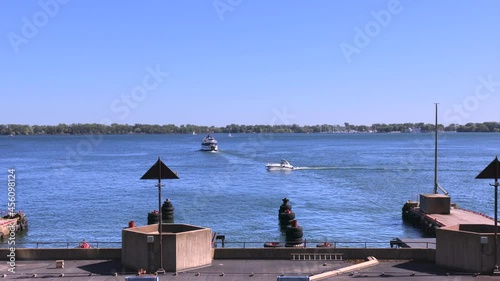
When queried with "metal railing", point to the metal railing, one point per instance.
{"points": [[63, 245], [224, 244], [318, 244]]}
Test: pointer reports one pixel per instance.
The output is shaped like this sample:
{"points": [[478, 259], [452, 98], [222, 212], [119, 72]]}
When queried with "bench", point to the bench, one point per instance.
{"points": [[317, 256]]}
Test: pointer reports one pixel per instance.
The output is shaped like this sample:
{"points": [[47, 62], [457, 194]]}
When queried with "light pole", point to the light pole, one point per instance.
{"points": [[436, 152]]}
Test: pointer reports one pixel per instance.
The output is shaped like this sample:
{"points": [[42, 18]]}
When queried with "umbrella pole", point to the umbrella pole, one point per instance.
{"points": [[496, 270], [156, 173], [160, 228]]}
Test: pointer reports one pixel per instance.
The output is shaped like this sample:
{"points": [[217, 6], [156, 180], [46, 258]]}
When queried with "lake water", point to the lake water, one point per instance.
{"points": [[349, 187]]}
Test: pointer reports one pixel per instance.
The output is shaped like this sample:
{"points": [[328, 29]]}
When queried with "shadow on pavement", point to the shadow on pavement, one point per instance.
{"points": [[105, 268], [429, 268]]}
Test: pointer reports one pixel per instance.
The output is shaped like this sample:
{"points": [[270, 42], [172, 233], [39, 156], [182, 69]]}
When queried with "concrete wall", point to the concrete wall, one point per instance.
{"points": [[460, 247], [427, 255], [134, 252], [23, 254], [194, 249], [184, 247]]}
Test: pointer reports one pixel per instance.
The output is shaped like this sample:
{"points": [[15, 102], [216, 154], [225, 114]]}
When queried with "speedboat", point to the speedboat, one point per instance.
{"points": [[283, 165], [209, 143]]}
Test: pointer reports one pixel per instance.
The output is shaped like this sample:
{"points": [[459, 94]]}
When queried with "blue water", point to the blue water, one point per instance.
{"points": [[349, 187]]}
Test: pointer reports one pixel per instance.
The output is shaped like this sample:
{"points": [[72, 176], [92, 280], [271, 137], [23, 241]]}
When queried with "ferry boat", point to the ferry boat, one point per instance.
{"points": [[209, 143]]}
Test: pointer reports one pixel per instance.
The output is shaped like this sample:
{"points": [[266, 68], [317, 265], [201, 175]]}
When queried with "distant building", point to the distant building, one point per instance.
{"points": [[413, 130]]}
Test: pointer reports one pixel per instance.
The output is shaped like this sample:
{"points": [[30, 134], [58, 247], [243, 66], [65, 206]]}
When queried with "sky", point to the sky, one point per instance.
{"points": [[221, 62]]}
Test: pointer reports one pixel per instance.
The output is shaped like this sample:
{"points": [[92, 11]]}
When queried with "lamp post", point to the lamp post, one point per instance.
{"points": [[160, 171], [492, 172]]}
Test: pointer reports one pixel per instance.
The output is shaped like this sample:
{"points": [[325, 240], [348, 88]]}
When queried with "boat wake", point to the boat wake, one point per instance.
{"points": [[315, 168], [351, 168]]}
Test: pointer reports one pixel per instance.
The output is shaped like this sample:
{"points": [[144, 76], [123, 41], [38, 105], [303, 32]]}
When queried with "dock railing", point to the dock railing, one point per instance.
{"points": [[63, 245], [227, 244], [318, 244]]}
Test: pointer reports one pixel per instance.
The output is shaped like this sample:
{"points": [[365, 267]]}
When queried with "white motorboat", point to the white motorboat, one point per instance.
{"points": [[283, 165], [209, 143]]}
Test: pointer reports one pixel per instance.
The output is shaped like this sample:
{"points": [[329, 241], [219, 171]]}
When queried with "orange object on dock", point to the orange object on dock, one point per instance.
{"points": [[131, 224]]}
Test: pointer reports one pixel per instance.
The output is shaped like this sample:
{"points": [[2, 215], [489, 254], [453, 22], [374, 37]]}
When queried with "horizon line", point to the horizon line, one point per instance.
{"points": [[293, 124]]}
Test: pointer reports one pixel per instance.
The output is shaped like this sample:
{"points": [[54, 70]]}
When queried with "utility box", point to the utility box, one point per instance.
{"points": [[484, 240], [435, 203]]}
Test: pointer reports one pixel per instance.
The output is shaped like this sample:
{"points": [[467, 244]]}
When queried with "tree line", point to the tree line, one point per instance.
{"points": [[94, 128]]}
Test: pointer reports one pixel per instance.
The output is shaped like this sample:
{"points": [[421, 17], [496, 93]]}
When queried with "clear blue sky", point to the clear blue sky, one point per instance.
{"points": [[249, 62]]}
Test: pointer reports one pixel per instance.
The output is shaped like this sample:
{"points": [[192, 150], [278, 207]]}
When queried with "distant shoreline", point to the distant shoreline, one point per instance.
{"points": [[123, 129]]}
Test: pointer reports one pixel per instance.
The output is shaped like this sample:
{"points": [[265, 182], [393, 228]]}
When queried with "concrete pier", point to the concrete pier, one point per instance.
{"points": [[429, 222]]}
